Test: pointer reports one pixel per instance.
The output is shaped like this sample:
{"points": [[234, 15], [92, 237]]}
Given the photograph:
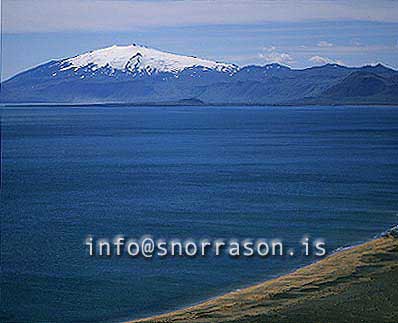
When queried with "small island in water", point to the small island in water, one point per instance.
{"points": [[138, 75], [240, 121]]}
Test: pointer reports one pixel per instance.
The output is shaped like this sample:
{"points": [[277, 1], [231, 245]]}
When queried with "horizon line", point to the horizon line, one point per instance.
{"points": [[379, 63]]}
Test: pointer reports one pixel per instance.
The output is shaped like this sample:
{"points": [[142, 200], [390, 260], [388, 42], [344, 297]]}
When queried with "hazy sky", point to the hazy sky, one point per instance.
{"points": [[295, 33]]}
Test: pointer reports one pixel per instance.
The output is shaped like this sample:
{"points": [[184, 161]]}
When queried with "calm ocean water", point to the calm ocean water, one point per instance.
{"points": [[179, 172]]}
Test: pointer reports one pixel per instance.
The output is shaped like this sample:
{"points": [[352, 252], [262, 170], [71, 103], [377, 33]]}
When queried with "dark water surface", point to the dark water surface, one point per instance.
{"points": [[179, 172]]}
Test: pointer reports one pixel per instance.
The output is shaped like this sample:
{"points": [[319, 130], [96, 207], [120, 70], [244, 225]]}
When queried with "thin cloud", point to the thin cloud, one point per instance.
{"points": [[270, 48], [319, 60], [324, 43], [271, 56], [343, 49], [120, 15]]}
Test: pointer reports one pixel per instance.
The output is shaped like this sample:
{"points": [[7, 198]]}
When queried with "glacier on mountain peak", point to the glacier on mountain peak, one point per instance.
{"points": [[135, 58]]}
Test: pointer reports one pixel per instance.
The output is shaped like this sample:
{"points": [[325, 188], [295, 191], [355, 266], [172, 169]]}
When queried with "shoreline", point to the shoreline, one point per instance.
{"points": [[342, 274], [177, 104]]}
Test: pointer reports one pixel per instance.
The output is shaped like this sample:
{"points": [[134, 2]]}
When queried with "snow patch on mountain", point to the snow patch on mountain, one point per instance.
{"points": [[135, 58]]}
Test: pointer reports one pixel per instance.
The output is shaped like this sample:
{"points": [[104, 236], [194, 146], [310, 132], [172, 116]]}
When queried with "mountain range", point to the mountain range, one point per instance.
{"points": [[140, 75]]}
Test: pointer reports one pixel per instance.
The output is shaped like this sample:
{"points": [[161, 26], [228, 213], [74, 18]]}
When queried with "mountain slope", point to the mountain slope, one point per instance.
{"points": [[361, 84], [361, 87], [141, 75]]}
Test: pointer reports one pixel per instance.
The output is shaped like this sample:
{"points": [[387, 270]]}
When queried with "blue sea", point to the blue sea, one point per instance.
{"points": [[179, 172]]}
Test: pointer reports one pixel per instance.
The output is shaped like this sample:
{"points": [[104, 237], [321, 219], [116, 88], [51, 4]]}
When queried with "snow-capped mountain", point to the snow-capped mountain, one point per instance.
{"points": [[138, 60], [139, 75]]}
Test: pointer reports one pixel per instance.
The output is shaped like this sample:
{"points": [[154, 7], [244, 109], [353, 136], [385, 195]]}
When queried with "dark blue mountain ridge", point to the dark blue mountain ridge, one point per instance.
{"points": [[140, 75]]}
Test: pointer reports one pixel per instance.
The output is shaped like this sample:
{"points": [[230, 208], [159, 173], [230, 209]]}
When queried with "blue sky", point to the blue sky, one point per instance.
{"points": [[295, 33]]}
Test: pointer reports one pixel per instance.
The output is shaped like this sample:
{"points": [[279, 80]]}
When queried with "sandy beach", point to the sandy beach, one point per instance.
{"points": [[359, 284]]}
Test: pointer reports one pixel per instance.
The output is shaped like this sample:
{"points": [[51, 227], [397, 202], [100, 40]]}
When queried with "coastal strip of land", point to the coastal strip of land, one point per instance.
{"points": [[358, 284]]}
